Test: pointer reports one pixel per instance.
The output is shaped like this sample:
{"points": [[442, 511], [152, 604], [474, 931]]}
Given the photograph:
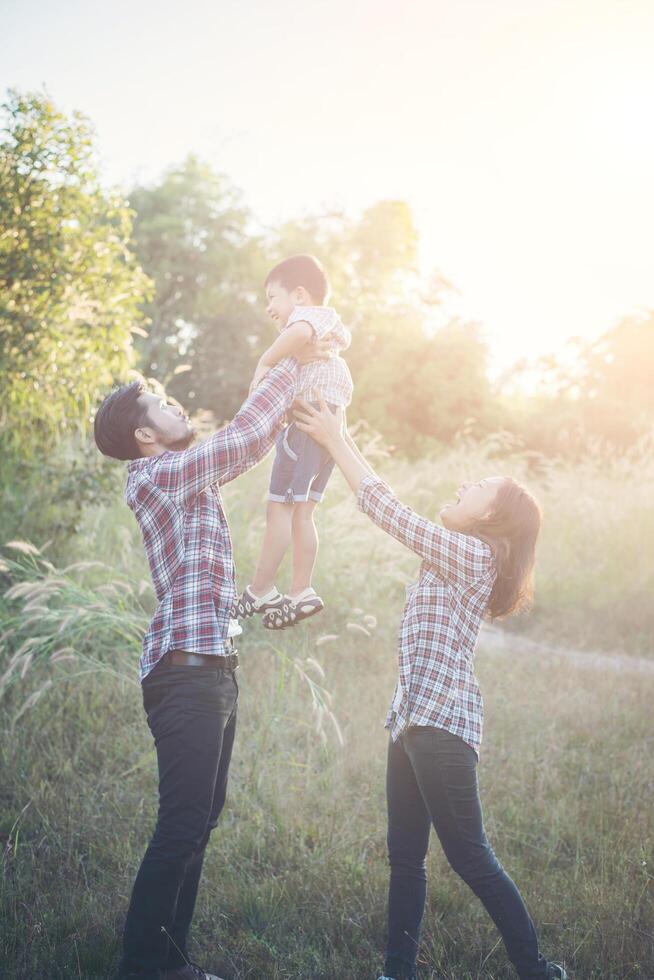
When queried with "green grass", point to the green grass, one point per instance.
{"points": [[295, 880]]}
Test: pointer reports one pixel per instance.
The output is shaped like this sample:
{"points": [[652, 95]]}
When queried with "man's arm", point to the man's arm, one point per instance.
{"points": [[235, 448]]}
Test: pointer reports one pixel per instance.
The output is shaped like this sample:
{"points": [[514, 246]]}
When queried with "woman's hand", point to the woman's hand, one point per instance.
{"points": [[326, 427], [323, 425]]}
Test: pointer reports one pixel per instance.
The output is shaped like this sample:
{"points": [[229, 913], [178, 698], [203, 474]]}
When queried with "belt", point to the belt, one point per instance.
{"points": [[179, 658]]}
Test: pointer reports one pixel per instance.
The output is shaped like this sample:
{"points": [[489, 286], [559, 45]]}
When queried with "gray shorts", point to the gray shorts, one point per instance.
{"points": [[301, 468]]}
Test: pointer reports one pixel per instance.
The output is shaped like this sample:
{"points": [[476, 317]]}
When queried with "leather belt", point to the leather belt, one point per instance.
{"points": [[181, 658]]}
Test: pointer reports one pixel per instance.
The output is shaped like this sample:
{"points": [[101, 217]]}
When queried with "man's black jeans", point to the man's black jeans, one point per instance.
{"points": [[432, 779], [191, 713]]}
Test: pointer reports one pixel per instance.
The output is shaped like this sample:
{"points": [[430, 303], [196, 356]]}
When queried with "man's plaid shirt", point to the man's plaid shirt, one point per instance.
{"points": [[176, 500], [442, 617]]}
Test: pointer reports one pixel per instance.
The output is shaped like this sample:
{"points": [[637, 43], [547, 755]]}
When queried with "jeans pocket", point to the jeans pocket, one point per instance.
{"points": [[199, 695], [289, 433]]}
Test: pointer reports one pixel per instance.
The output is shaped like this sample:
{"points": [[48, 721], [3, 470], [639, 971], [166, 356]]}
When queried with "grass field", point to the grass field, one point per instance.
{"points": [[295, 880]]}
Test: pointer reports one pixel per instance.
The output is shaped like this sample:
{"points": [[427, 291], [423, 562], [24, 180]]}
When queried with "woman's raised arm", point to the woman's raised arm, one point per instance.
{"points": [[455, 556]]}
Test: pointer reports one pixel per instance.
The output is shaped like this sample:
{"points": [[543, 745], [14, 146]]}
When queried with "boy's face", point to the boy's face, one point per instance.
{"points": [[281, 302]]}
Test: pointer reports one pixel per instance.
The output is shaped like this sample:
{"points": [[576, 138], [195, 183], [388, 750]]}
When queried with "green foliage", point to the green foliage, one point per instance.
{"points": [[600, 395], [419, 377], [44, 497], [70, 288], [617, 382], [193, 237], [426, 388]]}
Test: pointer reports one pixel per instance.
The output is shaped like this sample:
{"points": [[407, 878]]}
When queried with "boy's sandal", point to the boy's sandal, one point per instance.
{"points": [[281, 616], [247, 605], [298, 609], [307, 605]]}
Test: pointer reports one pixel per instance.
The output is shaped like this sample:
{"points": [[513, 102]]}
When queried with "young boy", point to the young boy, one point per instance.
{"points": [[296, 291]]}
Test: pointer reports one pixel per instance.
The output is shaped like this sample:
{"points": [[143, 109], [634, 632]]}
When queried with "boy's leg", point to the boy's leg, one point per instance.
{"points": [[305, 546], [316, 470], [279, 518]]}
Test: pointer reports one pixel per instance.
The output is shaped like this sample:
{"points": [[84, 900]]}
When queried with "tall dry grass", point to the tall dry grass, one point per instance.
{"points": [[295, 876]]}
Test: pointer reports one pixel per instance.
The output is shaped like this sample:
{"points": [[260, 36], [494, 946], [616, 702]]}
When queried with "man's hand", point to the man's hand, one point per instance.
{"points": [[259, 374], [325, 426], [314, 350]]}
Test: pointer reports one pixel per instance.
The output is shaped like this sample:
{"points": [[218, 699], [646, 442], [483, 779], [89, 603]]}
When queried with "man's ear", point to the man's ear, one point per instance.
{"points": [[145, 435]]}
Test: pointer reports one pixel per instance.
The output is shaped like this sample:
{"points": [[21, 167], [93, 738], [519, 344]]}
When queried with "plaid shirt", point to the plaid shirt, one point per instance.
{"points": [[441, 621], [331, 379], [176, 500]]}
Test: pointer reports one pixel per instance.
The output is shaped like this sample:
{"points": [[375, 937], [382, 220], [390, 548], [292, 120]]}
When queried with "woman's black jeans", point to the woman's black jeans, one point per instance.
{"points": [[432, 779], [191, 713]]}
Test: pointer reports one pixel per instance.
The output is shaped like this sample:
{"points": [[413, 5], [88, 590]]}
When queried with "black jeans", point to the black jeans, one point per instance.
{"points": [[191, 713], [432, 779]]}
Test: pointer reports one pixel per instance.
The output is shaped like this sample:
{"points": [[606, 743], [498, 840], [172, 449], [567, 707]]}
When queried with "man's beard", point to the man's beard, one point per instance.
{"points": [[182, 443]]}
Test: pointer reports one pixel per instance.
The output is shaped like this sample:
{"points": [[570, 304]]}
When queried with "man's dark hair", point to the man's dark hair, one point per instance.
{"points": [[116, 420], [301, 270]]}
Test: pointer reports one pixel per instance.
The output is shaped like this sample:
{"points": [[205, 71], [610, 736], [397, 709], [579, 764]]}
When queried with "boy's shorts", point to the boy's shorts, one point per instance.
{"points": [[301, 468]]}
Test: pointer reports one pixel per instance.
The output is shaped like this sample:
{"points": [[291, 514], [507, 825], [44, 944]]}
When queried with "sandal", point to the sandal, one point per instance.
{"points": [[293, 611], [249, 604], [281, 617]]}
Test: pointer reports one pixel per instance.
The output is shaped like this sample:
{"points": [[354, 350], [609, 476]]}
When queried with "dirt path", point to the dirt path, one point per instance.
{"points": [[495, 640]]}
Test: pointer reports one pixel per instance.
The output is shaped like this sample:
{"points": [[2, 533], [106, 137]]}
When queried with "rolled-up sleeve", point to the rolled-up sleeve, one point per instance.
{"points": [[461, 558]]}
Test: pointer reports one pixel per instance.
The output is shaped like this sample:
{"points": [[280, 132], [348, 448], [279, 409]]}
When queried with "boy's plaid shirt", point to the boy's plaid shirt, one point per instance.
{"points": [[442, 617], [176, 500], [330, 380]]}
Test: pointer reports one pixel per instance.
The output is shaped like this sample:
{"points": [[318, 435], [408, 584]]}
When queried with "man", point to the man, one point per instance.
{"points": [[188, 663]]}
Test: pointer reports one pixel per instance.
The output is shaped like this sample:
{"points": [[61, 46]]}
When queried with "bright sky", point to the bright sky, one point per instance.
{"points": [[520, 131]]}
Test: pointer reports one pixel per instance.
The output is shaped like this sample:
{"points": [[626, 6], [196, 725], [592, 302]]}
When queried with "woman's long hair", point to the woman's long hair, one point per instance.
{"points": [[511, 530]]}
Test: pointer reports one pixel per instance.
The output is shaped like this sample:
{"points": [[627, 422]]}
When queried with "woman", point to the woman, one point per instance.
{"points": [[479, 564]]}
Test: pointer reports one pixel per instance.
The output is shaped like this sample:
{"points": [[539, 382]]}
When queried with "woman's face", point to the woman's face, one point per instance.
{"points": [[474, 502]]}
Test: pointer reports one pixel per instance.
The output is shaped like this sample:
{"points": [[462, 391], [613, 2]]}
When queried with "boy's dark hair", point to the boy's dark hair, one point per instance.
{"points": [[117, 418], [301, 270]]}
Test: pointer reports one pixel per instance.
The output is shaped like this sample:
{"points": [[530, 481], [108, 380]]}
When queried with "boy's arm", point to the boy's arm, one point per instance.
{"points": [[290, 342], [341, 335], [287, 344]]}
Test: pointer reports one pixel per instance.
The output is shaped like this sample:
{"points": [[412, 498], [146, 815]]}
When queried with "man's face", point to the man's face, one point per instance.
{"points": [[165, 425], [281, 303]]}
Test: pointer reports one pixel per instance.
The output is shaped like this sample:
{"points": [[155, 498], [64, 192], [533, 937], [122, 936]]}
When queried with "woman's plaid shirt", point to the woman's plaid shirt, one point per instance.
{"points": [[442, 617], [176, 500]]}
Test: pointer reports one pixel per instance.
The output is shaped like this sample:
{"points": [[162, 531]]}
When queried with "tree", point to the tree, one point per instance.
{"points": [[617, 391], [208, 324], [70, 287], [600, 392], [415, 378], [193, 237]]}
